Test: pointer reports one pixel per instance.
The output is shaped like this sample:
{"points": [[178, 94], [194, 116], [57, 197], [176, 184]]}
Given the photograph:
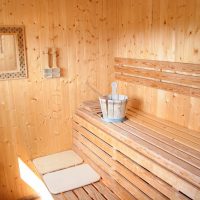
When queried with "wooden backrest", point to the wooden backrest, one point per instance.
{"points": [[183, 78]]}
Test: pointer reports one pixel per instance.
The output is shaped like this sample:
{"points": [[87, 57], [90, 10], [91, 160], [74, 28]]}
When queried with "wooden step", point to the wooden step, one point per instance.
{"points": [[143, 156]]}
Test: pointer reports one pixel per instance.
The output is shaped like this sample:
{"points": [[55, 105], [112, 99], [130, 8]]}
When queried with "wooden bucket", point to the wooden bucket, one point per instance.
{"points": [[113, 110]]}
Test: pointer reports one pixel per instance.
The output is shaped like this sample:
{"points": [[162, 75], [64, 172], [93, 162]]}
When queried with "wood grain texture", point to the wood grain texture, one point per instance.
{"points": [[164, 31], [108, 131], [113, 142], [35, 113], [174, 80], [180, 68]]}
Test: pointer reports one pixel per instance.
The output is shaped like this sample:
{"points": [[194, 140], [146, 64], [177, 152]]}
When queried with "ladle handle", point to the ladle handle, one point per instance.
{"points": [[114, 91]]}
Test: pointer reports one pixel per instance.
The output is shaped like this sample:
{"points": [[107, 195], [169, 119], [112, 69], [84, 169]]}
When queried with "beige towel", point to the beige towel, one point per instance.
{"points": [[71, 178], [57, 161]]}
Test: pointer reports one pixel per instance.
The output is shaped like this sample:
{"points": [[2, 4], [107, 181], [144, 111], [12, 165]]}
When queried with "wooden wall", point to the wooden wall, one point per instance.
{"points": [[161, 30], [35, 113]]}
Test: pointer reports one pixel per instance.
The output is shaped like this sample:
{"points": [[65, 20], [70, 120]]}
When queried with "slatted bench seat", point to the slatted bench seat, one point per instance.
{"points": [[149, 157]]}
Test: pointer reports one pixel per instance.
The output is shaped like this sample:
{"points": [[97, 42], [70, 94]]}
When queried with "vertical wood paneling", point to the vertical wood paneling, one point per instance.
{"points": [[35, 113], [161, 30]]}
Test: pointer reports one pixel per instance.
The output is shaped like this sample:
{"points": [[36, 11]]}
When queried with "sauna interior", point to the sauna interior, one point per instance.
{"points": [[155, 153]]}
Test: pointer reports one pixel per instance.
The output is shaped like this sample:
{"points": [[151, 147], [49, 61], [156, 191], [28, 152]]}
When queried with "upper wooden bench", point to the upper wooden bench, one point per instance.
{"points": [[150, 157]]}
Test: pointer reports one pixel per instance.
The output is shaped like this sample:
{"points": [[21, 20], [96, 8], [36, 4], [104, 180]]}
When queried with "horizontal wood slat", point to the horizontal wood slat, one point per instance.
{"points": [[161, 75], [135, 180], [101, 190], [179, 79], [165, 123], [159, 85], [86, 146], [144, 135], [142, 160], [156, 154], [132, 166], [178, 137], [104, 170], [145, 147], [184, 68]]}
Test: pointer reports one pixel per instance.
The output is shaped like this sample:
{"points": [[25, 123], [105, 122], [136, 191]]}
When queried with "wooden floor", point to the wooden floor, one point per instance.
{"points": [[96, 191], [107, 188]]}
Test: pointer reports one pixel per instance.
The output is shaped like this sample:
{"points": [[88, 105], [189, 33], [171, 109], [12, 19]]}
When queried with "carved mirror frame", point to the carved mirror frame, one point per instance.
{"points": [[21, 71]]}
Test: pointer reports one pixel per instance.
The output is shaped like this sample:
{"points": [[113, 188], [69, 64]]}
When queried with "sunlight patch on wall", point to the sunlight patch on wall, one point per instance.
{"points": [[33, 181]]}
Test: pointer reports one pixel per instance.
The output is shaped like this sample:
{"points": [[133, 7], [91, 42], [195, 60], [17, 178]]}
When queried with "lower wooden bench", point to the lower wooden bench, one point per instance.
{"points": [[149, 157]]}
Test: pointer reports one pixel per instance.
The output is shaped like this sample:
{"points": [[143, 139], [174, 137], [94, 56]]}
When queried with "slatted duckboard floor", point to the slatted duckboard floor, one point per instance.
{"points": [[96, 191], [105, 189]]}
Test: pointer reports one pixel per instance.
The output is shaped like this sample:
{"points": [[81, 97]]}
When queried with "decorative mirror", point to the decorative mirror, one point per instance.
{"points": [[12, 53]]}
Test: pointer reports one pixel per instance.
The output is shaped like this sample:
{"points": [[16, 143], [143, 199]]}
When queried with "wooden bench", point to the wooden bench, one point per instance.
{"points": [[149, 157]]}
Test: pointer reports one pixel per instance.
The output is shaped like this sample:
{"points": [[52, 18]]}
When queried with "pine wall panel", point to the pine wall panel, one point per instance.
{"points": [[35, 113], [160, 30]]}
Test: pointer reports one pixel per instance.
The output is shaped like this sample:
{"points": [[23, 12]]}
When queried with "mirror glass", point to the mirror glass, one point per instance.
{"points": [[12, 52], [8, 53]]}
